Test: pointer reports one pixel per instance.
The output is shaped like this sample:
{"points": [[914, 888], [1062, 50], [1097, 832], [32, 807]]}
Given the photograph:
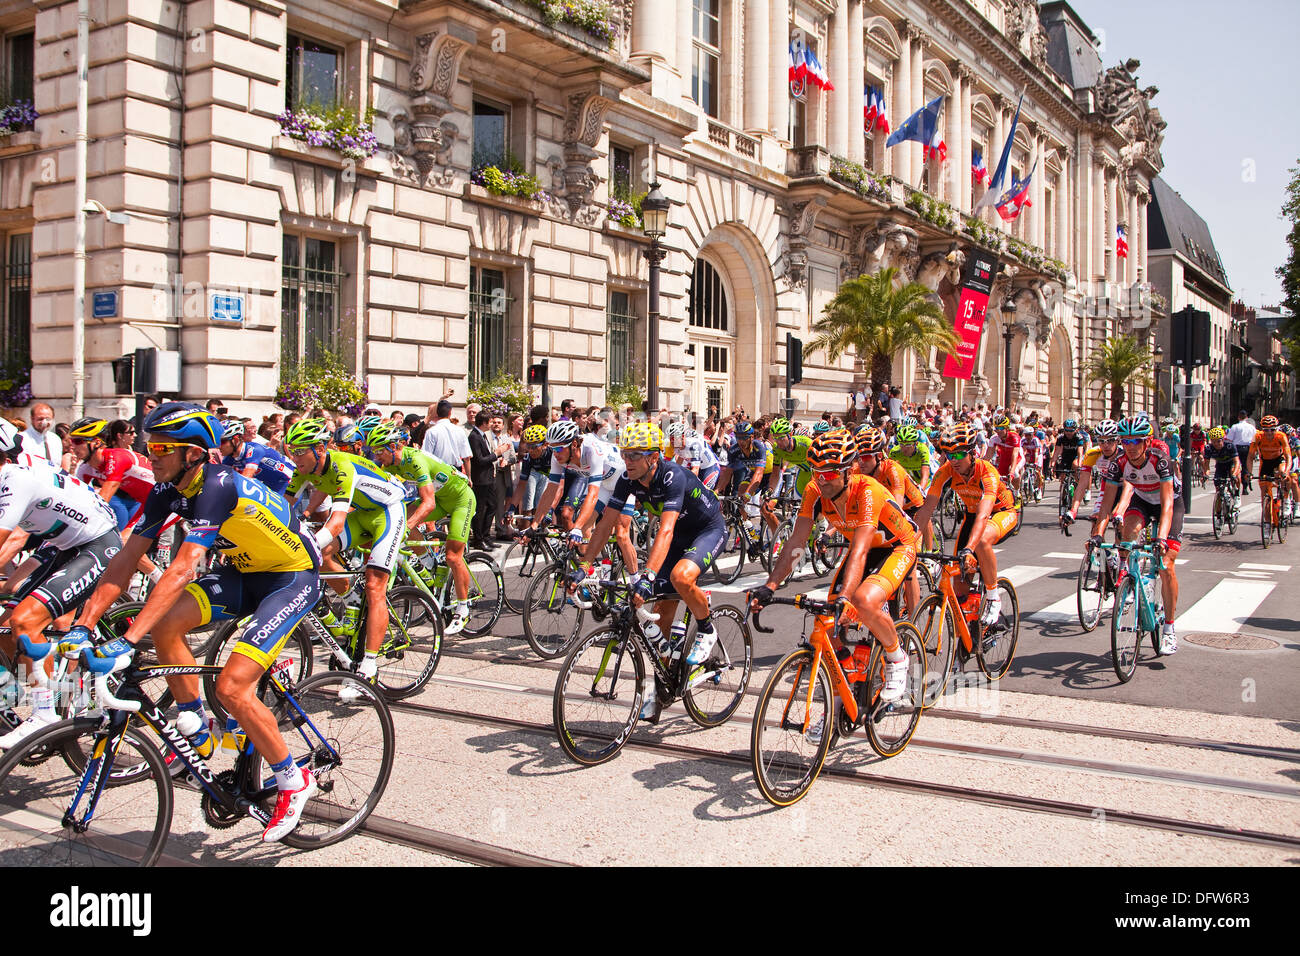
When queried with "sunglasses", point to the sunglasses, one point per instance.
{"points": [[77, 441], [1132, 441], [958, 455], [634, 455], [160, 449]]}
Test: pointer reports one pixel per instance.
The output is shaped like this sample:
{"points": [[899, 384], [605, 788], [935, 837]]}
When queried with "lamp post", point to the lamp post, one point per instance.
{"points": [[654, 218], [1008, 313]]}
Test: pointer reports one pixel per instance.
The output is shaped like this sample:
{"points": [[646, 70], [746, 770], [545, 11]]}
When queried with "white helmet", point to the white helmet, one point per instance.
{"points": [[561, 433], [676, 430], [11, 443]]}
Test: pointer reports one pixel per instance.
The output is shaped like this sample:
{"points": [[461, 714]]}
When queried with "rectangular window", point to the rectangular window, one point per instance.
{"points": [[311, 302], [715, 358], [20, 51], [621, 323], [312, 73], [706, 54], [1049, 222], [491, 136], [707, 299], [798, 122], [489, 323], [715, 401], [620, 171], [16, 321]]}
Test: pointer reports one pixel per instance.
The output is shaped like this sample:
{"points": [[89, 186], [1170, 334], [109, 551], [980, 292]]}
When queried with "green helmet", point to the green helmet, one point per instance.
{"points": [[908, 435], [383, 435], [308, 432], [781, 426]]}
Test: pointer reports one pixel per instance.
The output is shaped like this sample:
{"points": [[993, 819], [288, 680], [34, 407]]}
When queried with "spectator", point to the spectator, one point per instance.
{"points": [[250, 431], [67, 460], [895, 404], [416, 426], [121, 434], [217, 407], [566, 410], [507, 448], [41, 440], [445, 442], [271, 435], [150, 403], [482, 476], [880, 404]]}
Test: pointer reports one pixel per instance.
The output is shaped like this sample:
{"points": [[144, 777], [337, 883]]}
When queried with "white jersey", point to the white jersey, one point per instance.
{"points": [[52, 507], [697, 454], [594, 462]]}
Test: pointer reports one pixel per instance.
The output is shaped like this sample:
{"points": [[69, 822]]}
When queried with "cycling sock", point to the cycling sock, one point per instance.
{"points": [[897, 655], [287, 774], [42, 701], [705, 625]]}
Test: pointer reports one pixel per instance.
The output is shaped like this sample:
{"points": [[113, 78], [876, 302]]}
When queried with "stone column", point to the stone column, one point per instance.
{"points": [[1061, 248], [837, 65], [1081, 237], [1135, 237], [1040, 193], [681, 22], [1098, 218], [1144, 198], [856, 83], [778, 78], [967, 91], [899, 155], [918, 100], [654, 25], [952, 134], [1112, 216], [757, 63]]}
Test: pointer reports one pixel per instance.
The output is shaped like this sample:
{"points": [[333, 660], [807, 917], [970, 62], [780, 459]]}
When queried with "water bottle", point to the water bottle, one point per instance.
{"points": [[234, 738], [655, 638], [677, 638]]}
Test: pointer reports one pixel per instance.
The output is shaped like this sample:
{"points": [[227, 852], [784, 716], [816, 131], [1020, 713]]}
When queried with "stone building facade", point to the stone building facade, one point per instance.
{"points": [[423, 279]]}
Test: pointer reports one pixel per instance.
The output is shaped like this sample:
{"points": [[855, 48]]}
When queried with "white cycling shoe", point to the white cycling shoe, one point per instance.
{"points": [[895, 679], [39, 720], [992, 608]]}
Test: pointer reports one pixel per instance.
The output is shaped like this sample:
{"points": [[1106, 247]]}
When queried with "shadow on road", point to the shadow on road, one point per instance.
{"points": [[1085, 673]]}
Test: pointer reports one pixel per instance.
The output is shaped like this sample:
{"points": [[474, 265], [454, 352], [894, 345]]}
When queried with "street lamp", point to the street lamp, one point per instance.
{"points": [[1008, 313], [654, 219]]}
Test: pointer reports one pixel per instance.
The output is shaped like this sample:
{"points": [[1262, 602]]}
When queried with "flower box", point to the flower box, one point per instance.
{"points": [[480, 194], [615, 228], [24, 141], [324, 156]]}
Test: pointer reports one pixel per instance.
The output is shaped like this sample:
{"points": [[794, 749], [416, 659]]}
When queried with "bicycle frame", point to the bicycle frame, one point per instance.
{"points": [[1133, 567], [949, 571]]}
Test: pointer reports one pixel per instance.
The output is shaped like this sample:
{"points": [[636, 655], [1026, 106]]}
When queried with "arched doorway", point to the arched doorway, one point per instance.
{"points": [[710, 340], [1060, 377]]}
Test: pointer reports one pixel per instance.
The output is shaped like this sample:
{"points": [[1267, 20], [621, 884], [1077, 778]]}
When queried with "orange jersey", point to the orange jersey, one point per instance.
{"points": [[1270, 447], [864, 503], [984, 482], [900, 484]]}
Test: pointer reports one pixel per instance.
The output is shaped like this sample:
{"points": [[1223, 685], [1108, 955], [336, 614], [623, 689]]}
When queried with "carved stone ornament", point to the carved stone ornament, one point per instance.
{"points": [[1129, 110], [1023, 29], [800, 217], [422, 137], [423, 144], [884, 244], [572, 178], [794, 266]]}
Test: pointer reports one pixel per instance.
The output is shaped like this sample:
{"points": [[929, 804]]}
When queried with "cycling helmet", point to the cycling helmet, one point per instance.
{"points": [[1002, 422], [1171, 429], [1070, 423], [821, 427], [1268, 421], [1107, 428], [639, 436], [367, 422], [348, 435], [535, 434], [383, 435], [307, 432], [87, 428], [11, 442], [832, 451], [744, 430], [960, 437], [909, 435], [234, 429], [781, 427], [801, 430], [1141, 425], [1040, 434], [184, 423], [909, 420], [676, 430], [561, 433], [871, 440], [1216, 433]]}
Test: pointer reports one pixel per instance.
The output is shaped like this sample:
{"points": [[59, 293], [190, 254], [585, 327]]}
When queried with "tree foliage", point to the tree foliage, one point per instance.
{"points": [[1289, 272], [1116, 363]]}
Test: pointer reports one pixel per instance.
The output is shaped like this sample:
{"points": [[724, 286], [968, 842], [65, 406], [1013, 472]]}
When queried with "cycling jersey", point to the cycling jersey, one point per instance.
{"points": [[1197, 442], [1172, 442], [1145, 476], [53, 508], [130, 469], [672, 488], [240, 517], [1070, 447], [743, 463], [866, 503], [454, 499], [912, 464], [273, 469], [1223, 457], [352, 483], [796, 457], [899, 484], [983, 482], [695, 453], [1270, 447], [1006, 451], [541, 463]]}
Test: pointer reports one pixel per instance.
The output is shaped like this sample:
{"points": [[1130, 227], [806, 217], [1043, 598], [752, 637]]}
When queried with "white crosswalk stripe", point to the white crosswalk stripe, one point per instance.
{"points": [[1022, 574], [1066, 609], [1227, 606]]}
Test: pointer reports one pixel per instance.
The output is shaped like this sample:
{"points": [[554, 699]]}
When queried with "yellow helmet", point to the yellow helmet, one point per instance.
{"points": [[642, 436], [535, 434], [1217, 433]]}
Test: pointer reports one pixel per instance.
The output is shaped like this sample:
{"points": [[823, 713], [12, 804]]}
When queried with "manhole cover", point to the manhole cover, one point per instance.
{"points": [[1231, 642]]}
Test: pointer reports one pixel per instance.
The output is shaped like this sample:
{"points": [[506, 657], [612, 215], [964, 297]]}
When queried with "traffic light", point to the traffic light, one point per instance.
{"points": [[1196, 324], [537, 374], [793, 359]]}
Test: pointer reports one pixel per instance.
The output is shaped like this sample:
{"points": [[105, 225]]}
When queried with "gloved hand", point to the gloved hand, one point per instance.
{"points": [[577, 576], [576, 535], [762, 596], [644, 586], [1096, 541], [963, 554], [106, 657], [77, 635], [510, 511]]}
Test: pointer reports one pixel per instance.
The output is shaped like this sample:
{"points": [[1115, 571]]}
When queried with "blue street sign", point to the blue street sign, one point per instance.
{"points": [[227, 308], [105, 305]]}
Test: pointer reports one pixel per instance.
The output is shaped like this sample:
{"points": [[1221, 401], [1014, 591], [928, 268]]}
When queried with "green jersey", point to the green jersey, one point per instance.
{"points": [[796, 457], [421, 469], [352, 482], [912, 464]]}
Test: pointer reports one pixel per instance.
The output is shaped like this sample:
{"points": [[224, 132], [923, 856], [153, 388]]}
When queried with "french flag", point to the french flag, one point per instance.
{"points": [[1121, 242], [815, 71], [1016, 198], [874, 111], [798, 68], [978, 170], [936, 147]]}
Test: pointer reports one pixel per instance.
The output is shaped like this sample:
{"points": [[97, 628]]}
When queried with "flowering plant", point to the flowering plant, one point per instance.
{"points": [[503, 394], [932, 210], [325, 383], [16, 116], [590, 15], [507, 179], [859, 178], [336, 127], [624, 204], [16, 383]]}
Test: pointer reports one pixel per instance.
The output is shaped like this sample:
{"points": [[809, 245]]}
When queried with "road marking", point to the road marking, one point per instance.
{"points": [[1063, 555], [1022, 574], [1265, 567], [1227, 606]]}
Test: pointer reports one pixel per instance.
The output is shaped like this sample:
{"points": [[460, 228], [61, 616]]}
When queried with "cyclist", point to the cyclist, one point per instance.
{"points": [[348, 438], [272, 574], [1069, 446], [1010, 456], [1143, 480], [879, 559], [990, 508], [744, 465], [1033, 449], [534, 471], [1172, 442], [787, 449], [1273, 450], [694, 453], [73, 536], [365, 503], [1227, 466], [691, 531], [434, 491], [253, 459], [1196, 445], [914, 454], [1096, 460], [873, 462], [1293, 440]]}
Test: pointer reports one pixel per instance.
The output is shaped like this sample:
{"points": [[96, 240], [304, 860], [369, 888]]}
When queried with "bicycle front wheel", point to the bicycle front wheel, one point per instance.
{"points": [[412, 644], [933, 622], [890, 724], [552, 619], [522, 562], [997, 641], [730, 558], [716, 687], [1091, 588], [792, 728], [486, 593], [597, 697], [1217, 517], [1279, 528], [132, 813], [1125, 630], [1265, 525], [348, 745]]}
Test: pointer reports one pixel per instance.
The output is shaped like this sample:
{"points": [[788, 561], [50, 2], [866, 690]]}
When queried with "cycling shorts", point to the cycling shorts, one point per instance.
{"points": [[382, 531], [125, 509], [276, 601], [1268, 468], [575, 489], [65, 578], [1222, 470], [700, 549], [458, 508], [886, 566], [1004, 520], [1150, 513]]}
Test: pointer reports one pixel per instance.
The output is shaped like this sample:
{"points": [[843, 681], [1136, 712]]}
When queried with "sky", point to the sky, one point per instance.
{"points": [[1228, 79]]}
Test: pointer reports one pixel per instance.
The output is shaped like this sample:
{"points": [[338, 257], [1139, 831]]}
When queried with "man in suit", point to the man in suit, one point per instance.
{"points": [[482, 476]]}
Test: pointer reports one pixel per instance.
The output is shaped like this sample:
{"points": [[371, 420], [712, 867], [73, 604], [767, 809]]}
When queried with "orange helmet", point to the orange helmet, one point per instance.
{"points": [[871, 440], [832, 451], [1268, 421], [958, 437]]}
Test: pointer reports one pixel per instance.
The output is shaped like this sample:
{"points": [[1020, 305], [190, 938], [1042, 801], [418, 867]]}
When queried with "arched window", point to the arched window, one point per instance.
{"points": [[707, 300]]}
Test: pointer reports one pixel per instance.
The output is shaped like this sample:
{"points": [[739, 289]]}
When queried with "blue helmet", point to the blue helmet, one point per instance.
{"points": [[348, 435], [1070, 423], [234, 429], [185, 423], [821, 427], [744, 430], [367, 422]]}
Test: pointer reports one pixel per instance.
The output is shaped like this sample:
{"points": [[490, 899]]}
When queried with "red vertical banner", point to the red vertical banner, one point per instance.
{"points": [[971, 306]]}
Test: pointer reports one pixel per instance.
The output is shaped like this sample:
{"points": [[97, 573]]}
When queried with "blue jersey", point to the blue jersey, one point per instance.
{"points": [[273, 469], [743, 463], [672, 488]]}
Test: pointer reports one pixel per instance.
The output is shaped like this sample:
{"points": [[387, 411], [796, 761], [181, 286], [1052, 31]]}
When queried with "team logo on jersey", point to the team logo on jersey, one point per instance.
{"points": [[45, 502], [250, 510]]}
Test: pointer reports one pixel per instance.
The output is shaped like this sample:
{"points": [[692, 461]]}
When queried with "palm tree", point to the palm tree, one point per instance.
{"points": [[1116, 363], [877, 320]]}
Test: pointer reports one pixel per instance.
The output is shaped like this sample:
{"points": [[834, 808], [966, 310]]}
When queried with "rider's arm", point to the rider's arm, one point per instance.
{"points": [[1166, 508], [604, 528], [423, 508], [118, 575], [588, 504], [108, 489], [663, 541], [1109, 492], [550, 495], [163, 595], [11, 543]]}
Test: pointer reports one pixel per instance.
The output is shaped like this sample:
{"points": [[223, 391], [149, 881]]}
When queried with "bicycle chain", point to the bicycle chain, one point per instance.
{"points": [[215, 815]]}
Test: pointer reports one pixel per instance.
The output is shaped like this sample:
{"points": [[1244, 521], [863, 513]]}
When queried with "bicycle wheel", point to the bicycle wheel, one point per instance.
{"points": [[934, 624], [1216, 517], [486, 593], [295, 659], [997, 642], [781, 540], [412, 645], [1265, 527], [1090, 590], [717, 686], [597, 696], [830, 550], [1125, 630], [132, 816], [729, 561], [792, 728], [1279, 528], [951, 513], [1234, 513], [891, 725], [925, 578], [522, 562], [347, 744], [552, 620]]}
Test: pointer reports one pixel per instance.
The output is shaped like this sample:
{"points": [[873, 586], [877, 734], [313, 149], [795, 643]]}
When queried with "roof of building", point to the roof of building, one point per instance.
{"points": [[1175, 225], [1071, 46]]}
